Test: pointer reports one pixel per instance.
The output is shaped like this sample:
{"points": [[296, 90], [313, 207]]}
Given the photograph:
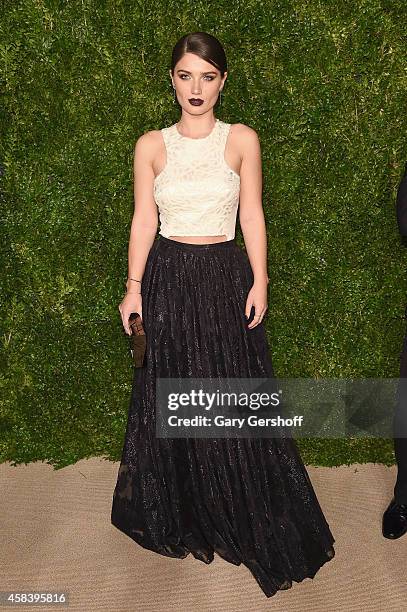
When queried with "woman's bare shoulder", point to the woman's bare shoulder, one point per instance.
{"points": [[244, 131], [150, 137], [149, 143]]}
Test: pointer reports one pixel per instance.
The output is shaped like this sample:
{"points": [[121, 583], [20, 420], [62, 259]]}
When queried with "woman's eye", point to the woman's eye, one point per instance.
{"points": [[207, 77]]}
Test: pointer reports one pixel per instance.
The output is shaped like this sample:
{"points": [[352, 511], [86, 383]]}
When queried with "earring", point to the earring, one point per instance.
{"points": [[175, 96], [220, 97]]}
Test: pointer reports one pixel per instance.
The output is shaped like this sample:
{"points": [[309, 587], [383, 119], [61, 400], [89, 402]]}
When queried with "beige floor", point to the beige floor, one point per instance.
{"points": [[56, 536]]}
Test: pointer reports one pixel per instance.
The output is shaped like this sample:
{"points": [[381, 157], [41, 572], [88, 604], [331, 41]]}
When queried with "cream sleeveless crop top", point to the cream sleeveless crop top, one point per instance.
{"points": [[196, 193]]}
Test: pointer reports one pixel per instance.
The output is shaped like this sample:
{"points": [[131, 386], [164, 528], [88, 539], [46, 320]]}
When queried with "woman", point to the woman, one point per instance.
{"points": [[202, 301]]}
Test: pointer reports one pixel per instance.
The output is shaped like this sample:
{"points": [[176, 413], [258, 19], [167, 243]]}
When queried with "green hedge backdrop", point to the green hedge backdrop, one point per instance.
{"points": [[324, 85]]}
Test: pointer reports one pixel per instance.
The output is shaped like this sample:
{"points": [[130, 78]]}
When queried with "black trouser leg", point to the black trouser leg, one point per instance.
{"points": [[400, 429]]}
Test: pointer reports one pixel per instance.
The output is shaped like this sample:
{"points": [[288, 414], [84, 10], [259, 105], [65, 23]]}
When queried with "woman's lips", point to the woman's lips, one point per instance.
{"points": [[195, 101]]}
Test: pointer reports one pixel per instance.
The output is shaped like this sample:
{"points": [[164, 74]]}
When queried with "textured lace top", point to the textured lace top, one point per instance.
{"points": [[197, 193]]}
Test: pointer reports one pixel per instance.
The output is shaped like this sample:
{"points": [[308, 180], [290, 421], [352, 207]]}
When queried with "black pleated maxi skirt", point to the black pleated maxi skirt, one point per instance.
{"points": [[248, 499]]}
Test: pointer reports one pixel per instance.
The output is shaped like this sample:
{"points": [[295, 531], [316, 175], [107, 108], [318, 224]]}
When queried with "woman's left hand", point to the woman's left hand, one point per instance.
{"points": [[257, 297]]}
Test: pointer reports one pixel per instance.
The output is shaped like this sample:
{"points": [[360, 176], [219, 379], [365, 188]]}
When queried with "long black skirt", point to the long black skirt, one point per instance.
{"points": [[248, 499]]}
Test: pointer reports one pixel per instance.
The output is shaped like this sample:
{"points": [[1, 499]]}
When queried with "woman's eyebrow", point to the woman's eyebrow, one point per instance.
{"points": [[182, 70]]}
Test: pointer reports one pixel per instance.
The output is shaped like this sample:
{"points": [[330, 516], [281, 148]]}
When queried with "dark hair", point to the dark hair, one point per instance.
{"points": [[205, 46]]}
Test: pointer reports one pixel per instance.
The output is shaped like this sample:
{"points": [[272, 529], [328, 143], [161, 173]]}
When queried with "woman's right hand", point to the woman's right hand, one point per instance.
{"points": [[131, 302]]}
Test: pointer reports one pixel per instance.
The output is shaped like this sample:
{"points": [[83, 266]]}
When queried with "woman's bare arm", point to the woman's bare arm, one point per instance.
{"points": [[252, 221], [145, 218], [143, 227], [251, 216]]}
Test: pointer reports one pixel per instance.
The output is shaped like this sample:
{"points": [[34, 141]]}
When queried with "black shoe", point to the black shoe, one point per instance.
{"points": [[394, 520]]}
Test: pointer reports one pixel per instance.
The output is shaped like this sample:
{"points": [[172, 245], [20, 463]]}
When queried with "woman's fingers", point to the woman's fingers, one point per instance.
{"points": [[258, 316], [126, 309]]}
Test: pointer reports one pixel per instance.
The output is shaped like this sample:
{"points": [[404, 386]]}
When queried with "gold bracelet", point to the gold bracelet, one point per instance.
{"points": [[134, 279]]}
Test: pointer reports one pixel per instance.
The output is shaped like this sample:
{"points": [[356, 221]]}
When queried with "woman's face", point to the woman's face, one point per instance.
{"points": [[194, 78]]}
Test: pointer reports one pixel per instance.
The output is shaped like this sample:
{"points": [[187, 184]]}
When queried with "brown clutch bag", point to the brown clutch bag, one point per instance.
{"points": [[137, 339]]}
